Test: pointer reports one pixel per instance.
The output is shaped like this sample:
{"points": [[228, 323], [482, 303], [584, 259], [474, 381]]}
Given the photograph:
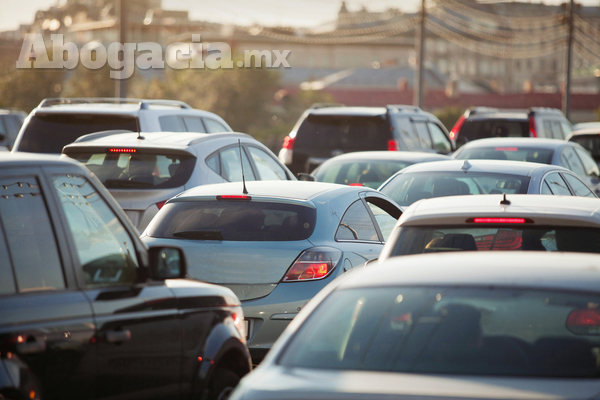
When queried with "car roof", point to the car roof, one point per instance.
{"points": [[547, 210], [534, 269], [490, 166], [414, 156], [8, 159], [539, 143], [514, 115], [357, 111], [586, 131]]}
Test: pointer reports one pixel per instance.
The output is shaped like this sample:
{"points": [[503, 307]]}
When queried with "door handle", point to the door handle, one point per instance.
{"points": [[31, 347], [119, 336]]}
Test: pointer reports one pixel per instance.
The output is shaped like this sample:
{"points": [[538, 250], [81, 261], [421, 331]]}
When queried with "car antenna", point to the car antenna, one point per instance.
{"points": [[504, 202], [137, 125], [242, 163]]}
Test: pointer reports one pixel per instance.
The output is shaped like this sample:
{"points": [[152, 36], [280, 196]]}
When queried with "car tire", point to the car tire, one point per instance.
{"points": [[222, 384]]}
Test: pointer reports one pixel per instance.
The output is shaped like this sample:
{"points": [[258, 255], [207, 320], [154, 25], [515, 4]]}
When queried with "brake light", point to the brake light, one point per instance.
{"points": [[506, 149], [498, 220], [313, 264], [355, 184], [234, 197], [532, 131], [160, 204], [393, 145], [583, 318], [456, 128], [122, 150], [288, 143], [238, 321]]}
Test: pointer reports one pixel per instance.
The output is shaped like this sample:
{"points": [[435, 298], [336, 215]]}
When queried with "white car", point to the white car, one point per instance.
{"points": [[497, 222], [444, 326], [142, 171]]}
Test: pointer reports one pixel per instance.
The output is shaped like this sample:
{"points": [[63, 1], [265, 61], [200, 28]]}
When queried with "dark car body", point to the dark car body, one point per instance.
{"points": [[10, 123], [589, 139], [87, 311]]}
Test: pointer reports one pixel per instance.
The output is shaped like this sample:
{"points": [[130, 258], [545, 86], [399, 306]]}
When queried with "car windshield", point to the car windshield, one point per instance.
{"points": [[589, 142], [479, 237], [407, 188], [452, 330], [510, 153], [50, 133], [366, 173], [474, 129], [234, 221], [118, 169]]}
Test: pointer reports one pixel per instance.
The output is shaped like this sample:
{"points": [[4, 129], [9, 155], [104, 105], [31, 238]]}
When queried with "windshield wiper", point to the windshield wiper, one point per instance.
{"points": [[121, 183], [200, 235]]}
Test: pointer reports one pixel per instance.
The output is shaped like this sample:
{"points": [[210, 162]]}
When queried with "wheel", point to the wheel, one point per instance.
{"points": [[222, 384]]}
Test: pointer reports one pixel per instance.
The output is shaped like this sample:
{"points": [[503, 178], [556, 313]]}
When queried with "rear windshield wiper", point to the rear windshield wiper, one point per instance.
{"points": [[121, 183], [200, 235]]}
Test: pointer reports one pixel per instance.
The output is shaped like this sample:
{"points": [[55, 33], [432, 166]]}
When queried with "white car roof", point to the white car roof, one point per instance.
{"points": [[409, 156], [540, 143], [542, 209], [489, 166]]}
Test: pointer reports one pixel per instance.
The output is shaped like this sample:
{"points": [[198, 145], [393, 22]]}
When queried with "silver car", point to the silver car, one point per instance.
{"points": [[142, 171], [276, 246]]}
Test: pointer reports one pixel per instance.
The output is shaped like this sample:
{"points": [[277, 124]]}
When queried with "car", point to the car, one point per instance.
{"points": [[586, 125], [275, 246], [11, 120], [325, 132], [88, 311], [589, 139], [462, 177], [54, 123], [368, 168], [546, 151], [443, 326], [142, 173], [497, 222], [484, 122]]}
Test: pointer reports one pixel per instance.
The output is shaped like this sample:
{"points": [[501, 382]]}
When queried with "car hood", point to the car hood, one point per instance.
{"points": [[275, 382]]}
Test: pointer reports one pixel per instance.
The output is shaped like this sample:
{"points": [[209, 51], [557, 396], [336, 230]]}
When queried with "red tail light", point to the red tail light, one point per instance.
{"points": [[532, 131], [160, 204], [355, 184], [122, 150], [393, 145], [235, 197], [313, 264], [288, 143], [456, 128], [584, 318], [498, 220]]}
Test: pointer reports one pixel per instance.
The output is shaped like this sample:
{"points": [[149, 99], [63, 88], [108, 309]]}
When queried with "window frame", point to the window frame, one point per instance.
{"points": [[364, 204], [574, 175], [550, 187]]}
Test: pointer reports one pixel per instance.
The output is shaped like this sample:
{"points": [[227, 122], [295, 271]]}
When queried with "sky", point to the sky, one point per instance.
{"points": [[307, 13]]}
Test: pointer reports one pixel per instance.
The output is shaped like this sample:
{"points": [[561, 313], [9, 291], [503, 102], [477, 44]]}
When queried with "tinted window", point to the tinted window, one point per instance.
{"points": [[572, 161], [557, 184], [357, 224], [440, 141], [231, 167], [511, 153], [589, 142], [577, 186], [105, 249], [474, 129], [7, 279], [449, 330], [423, 134], [3, 128], [367, 173], [268, 168], [407, 188], [591, 168], [32, 243], [50, 133], [137, 170], [213, 126], [407, 133], [194, 124], [234, 221]]}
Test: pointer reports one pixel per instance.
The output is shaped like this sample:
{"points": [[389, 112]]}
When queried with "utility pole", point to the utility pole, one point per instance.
{"points": [[419, 78], [121, 84], [567, 94]]}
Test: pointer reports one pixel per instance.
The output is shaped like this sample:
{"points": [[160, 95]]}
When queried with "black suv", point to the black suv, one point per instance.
{"points": [[484, 122], [87, 311], [325, 132], [11, 120]]}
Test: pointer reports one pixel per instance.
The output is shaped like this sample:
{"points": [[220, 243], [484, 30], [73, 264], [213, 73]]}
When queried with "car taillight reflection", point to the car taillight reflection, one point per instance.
{"points": [[313, 264], [502, 240]]}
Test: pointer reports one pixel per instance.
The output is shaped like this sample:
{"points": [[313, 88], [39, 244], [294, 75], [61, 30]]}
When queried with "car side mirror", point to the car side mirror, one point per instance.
{"points": [[167, 263], [302, 176]]}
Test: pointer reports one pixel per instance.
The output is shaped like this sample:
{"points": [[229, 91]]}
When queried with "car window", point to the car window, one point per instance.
{"points": [[268, 168], [589, 142], [407, 133], [511, 153], [440, 141], [557, 131], [577, 186], [213, 126], [557, 184], [384, 220], [473, 129], [545, 188], [194, 124], [3, 129], [7, 279], [548, 129], [31, 240], [231, 167], [105, 250], [356, 224], [214, 162], [591, 168], [171, 123], [572, 161], [423, 134], [566, 128], [369, 173]]}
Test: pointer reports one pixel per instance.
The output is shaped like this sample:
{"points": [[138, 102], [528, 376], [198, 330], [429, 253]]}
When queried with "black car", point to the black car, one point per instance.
{"points": [[87, 311], [325, 132]]}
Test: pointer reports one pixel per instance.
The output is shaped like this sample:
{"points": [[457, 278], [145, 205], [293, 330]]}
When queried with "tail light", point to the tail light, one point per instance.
{"points": [[584, 322], [456, 128], [238, 321], [532, 131], [160, 204], [355, 184], [498, 220], [288, 143], [392, 145], [313, 264]]}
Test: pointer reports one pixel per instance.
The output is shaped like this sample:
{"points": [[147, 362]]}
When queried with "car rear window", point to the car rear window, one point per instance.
{"points": [[589, 142], [118, 169], [452, 330], [51, 132], [407, 188], [510, 153], [343, 132], [478, 237], [234, 221], [474, 129], [366, 173]]}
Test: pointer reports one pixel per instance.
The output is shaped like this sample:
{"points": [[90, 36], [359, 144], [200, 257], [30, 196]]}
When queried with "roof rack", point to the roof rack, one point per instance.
{"points": [[326, 105], [404, 107], [143, 103], [547, 110], [101, 134]]}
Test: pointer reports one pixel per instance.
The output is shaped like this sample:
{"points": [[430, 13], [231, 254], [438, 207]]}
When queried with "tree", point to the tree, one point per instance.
{"points": [[25, 88]]}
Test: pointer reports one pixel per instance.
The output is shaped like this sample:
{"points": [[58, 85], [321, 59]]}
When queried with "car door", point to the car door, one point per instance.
{"points": [[138, 337], [46, 322]]}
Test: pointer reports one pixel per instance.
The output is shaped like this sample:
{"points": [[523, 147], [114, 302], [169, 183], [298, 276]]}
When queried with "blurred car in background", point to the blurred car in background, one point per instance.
{"points": [[566, 154], [589, 139], [87, 311], [11, 120], [456, 177], [484, 122], [367, 168], [143, 173], [325, 132], [586, 125], [443, 326], [497, 222], [276, 246], [57, 122]]}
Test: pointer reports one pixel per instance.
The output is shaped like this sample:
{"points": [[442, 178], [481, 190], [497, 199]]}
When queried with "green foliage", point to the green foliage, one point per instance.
{"points": [[83, 82], [25, 88], [449, 115]]}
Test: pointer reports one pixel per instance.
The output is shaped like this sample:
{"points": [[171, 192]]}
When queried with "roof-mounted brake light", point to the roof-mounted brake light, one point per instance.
{"points": [[502, 220], [235, 197], [122, 150]]}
